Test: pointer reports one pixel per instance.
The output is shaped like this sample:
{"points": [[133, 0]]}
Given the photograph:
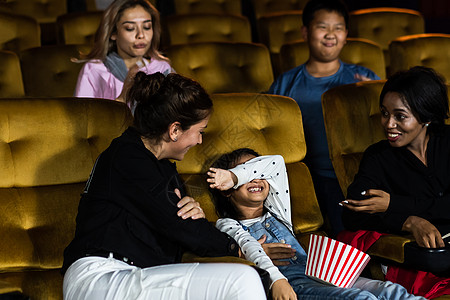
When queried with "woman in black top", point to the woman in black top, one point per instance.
{"points": [[129, 221], [403, 183]]}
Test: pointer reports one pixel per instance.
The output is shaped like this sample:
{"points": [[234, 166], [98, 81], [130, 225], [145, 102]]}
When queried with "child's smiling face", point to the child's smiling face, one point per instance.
{"points": [[253, 193], [326, 35]]}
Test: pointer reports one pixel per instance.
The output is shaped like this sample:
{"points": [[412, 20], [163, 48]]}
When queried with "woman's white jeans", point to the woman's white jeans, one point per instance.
{"points": [[107, 278]]}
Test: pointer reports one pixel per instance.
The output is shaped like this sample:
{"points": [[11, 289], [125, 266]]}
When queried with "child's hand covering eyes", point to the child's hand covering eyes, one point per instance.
{"points": [[221, 179]]}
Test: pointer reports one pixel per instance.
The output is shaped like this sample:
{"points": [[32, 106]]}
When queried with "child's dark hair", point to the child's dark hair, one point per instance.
{"points": [[423, 90], [329, 5], [161, 100], [224, 206]]}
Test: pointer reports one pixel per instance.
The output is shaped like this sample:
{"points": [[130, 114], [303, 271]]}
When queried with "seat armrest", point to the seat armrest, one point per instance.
{"points": [[390, 247]]}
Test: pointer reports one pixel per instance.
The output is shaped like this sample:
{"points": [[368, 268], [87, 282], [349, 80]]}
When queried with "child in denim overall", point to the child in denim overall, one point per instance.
{"points": [[251, 195]]}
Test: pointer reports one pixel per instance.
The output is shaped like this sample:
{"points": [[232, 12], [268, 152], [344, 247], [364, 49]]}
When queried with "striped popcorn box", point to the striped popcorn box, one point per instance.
{"points": [[333, 262]]}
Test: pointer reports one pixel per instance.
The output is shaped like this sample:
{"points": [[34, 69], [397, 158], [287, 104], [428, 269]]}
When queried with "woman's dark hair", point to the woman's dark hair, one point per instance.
{"points": [[423, 91], [329, 5], [162, 100], [224, 206]]}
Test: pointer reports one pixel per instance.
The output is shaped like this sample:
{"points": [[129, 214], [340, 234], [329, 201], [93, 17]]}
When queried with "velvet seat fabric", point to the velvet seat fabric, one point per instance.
{"points": [[191, 28], [78, 28], [18, 32], [47, 150], [264, 7], [42, 11], [428, 49], [11, 81], [232, 7], [224, 67], [384, 24], [49, 71], [279, 28]]}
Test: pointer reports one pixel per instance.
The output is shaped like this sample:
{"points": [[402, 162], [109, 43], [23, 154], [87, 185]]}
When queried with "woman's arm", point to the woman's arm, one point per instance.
{"points": [[367, 178], [389, 188]]}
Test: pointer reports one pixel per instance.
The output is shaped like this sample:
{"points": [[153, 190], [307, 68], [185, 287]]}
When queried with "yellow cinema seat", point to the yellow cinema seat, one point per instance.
{"points": [[48, 70], [224, 67], [47, 150], [78, 28], [232, 7], [429, 49], [263, 7], [384, 24], [18, 32], [191, 28], [11, 84], [277, 29], [44, 12]]}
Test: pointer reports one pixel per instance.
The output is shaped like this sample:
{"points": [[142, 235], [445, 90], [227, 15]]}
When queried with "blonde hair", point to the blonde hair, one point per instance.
{"points": [[103, 44]]}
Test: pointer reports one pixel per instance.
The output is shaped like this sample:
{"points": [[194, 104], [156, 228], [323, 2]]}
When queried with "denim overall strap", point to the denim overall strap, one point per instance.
{"points": [[277, 232]]}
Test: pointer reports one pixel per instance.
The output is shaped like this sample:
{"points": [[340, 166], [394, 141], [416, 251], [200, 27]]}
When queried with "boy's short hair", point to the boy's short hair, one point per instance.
{"points": [[329, 5]]}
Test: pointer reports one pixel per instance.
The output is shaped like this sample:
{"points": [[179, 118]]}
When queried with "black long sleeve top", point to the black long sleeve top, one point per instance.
{"points": [[414, 188], [129, 207]]}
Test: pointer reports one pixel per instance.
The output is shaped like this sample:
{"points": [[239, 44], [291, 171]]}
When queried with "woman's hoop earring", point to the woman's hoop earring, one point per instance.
{"points": [[175, 139]]}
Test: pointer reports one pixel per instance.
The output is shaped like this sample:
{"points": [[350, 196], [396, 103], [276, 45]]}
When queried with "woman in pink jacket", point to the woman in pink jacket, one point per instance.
{"points": [[126, 42]]}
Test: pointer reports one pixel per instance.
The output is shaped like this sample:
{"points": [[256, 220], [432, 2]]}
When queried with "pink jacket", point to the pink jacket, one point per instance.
{"points": [[96, 81]]}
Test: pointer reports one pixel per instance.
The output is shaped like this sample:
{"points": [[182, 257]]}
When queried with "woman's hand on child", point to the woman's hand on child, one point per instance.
{"points": [[282, 290], [189, 208], [425, 233], [277, 251], [221, 179], [378, 202]]}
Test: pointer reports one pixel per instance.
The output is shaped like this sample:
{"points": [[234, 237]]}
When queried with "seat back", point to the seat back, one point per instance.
{"points": [[224, 67], [269, 124], [78, 28], [430, 50], [384, 24], [43, 11], [352, 123], [47, 150], [48, 70], [11, 84], [232, 7], [279, 28], [263, 7], [190, 28], [18, 32], [357, 51]]}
